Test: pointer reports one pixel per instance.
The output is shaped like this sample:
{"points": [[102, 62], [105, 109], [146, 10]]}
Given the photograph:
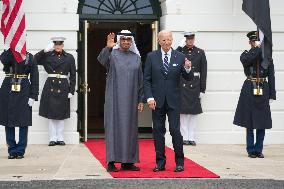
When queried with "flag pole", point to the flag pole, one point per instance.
{"points": [[257, 67]]}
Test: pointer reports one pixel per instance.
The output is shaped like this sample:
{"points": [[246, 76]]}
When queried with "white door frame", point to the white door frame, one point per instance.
{"points": [[86, 26]]}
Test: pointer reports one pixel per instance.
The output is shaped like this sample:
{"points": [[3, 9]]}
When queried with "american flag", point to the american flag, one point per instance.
{"points": [[13, 28]]}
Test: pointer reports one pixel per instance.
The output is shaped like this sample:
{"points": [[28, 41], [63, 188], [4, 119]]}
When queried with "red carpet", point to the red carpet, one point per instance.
{"points": [[147, 163]]}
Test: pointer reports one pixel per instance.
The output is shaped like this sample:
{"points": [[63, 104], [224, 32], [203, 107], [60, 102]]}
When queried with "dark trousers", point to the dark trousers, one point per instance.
{"points": [[159, 131], [258, 146], [15, 149]]}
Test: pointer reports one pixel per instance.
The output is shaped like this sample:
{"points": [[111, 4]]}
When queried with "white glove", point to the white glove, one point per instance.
{"points": [[70, 95], [270, 101], [201, 95], [31, 102], [49, 47], [257, 43], [182, 43]]}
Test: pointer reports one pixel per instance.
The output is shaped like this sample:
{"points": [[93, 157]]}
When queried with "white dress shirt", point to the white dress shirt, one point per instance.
{"points": [[169, 54]]}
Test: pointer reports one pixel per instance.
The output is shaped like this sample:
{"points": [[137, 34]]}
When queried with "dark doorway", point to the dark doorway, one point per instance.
{"points": [[97, 33], [97, 19]]}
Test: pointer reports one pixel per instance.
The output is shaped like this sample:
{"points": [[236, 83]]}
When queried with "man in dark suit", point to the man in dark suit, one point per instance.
{"points": [[162, 90]]}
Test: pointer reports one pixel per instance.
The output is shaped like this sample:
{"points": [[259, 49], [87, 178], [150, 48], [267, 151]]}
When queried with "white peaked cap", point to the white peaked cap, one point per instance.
{"points": [[58, 39]]}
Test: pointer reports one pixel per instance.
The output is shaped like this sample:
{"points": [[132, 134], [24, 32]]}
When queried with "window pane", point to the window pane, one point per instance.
{"points": [[117, 7], [147, 10], [94, 3], [142, 3]]}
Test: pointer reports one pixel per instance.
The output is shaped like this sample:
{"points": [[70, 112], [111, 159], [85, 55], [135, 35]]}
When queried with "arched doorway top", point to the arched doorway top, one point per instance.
{"points": [[119, 9]]}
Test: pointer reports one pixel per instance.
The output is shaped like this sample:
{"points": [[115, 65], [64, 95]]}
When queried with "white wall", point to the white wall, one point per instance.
{"points": [[221, 26], [44, 20]]}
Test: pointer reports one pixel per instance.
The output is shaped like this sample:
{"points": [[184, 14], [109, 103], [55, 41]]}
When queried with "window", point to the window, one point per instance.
{"points": [[117, 7]]}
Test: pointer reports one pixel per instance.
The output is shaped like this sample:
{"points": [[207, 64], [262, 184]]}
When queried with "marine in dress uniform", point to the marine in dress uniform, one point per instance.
{"points": [[192, 91], [258, 91], [18, 92], [58, 88]]}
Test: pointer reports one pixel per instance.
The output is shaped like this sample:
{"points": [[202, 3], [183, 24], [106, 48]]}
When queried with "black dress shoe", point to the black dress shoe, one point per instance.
{"points": [[111, 168], [251, 155], [191, 143], [20, 157], [129, 167], [60, 143], [179, 168], [259, 155], [185, 142], [52, 143], [12, 157], [158, 169]]}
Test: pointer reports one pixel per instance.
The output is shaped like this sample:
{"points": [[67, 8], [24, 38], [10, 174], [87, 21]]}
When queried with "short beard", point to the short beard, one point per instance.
{"points": [[124, 49]]}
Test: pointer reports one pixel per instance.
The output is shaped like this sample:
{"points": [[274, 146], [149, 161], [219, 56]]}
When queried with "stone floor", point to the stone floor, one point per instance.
{"points": [[76, 162], [46, 163]]}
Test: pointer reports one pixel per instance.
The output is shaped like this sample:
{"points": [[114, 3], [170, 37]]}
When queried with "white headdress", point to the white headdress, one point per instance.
{"points": [[128, 34]]}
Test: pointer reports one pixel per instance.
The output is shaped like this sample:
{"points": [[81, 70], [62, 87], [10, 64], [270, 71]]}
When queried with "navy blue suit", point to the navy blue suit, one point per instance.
{"points": [[165, 89]]}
